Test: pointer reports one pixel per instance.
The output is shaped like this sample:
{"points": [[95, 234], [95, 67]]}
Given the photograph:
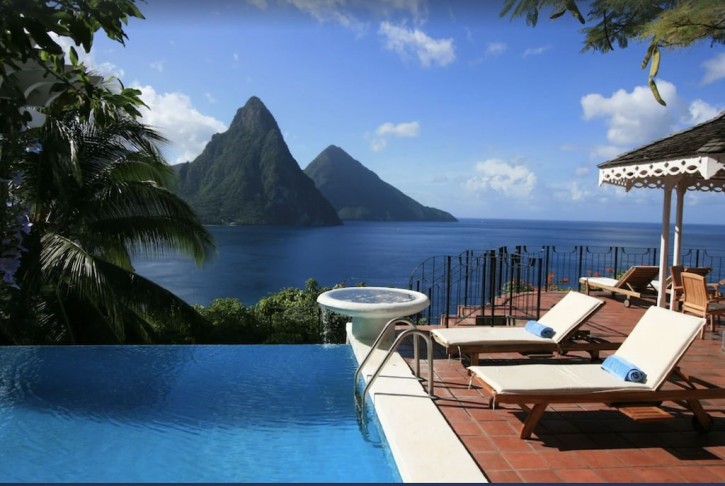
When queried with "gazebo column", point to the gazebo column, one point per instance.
{"points": [[664, 244], [677, 248]]}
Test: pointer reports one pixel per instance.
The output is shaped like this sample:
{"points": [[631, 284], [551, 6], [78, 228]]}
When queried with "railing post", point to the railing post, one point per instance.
{"points": [[581, 260], [448, 289]]}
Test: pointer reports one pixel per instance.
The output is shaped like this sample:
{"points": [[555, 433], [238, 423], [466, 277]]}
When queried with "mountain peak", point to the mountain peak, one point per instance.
{"points": [[254, 116], [247, 175], [357, 193]]}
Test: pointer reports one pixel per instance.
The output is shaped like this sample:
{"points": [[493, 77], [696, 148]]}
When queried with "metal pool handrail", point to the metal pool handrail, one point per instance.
{"points": [[374, 346], [416, 332]]}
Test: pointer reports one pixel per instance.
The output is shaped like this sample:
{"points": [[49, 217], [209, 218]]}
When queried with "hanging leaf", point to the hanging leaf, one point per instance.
{"points": [[655, 67], [655, 92], [648, 55], [73, 55], [558, 14], [571, 6]]}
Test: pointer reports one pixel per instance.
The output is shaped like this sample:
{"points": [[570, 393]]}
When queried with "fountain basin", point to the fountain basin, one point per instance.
{"points": [[372, 307]]}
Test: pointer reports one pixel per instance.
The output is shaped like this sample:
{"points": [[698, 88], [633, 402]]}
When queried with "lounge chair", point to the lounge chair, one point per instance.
{"points": [[565, 318], [635, 282], [655, 346]]}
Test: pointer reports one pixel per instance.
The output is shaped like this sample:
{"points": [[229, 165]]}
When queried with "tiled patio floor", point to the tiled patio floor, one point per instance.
{"points": [[588, 443]]}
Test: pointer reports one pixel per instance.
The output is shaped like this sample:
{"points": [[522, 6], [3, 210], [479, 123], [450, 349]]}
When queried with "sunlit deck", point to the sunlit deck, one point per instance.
{"points": [[587, 443]]}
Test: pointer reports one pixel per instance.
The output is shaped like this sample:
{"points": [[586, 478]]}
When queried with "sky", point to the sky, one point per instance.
{"points": [[461, 109]]}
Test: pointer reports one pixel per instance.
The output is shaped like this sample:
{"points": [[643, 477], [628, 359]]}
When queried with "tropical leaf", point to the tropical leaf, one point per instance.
{"points": [[656, 92]]}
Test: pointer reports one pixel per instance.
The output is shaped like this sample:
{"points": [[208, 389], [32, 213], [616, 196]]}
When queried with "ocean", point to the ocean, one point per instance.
{"points": [[255, 261]]}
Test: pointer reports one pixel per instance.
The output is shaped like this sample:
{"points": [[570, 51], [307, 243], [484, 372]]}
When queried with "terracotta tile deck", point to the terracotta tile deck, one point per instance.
{"points": [[587, 443]]}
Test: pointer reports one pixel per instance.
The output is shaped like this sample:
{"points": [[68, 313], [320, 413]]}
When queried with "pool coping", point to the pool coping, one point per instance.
{"points": [[425, 448]]}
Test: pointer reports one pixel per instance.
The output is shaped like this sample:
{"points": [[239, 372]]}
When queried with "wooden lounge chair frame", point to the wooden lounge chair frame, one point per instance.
{"points": [[635, 282], [576, 339], [639, 404]]}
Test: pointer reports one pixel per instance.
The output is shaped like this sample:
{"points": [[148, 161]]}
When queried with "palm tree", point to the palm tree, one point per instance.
{"points": [[97, 195]]}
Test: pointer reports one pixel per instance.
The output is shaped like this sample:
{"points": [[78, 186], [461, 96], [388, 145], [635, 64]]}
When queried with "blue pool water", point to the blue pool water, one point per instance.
{"points": [[185, 414]]}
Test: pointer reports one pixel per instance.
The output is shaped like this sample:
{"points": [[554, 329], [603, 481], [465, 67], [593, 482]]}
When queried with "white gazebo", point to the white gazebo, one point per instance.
{"points": [[691, 160]]}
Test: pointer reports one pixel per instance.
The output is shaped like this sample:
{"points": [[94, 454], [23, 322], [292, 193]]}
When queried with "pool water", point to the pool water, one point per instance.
{"points": [[185, 414]]}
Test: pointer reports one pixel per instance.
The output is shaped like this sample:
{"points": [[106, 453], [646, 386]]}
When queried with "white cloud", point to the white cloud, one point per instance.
{"points": [[388, 129], [344, 11], [633, 117], [158, 66], [535, 51], [701, 111], [174, 116], [573, 191], [714, 69], [582, 171], [510, 180], [378, 144], [495, 49], [407, 129], [208, 96], [417, 44], [606, 152], [328, 11]]}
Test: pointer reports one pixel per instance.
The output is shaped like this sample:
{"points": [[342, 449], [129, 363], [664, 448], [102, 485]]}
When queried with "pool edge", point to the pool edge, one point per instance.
{"points": [[425, 448]]}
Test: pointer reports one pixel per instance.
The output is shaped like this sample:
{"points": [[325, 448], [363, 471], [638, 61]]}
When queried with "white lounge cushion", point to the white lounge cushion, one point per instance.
{"points": [[553, 379], [659, 340], [466, 336], [594, 281], [565, 315]]}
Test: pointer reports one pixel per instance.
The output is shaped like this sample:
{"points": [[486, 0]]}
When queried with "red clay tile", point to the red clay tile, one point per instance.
{"points": [[525, 460], [578, 475], [659, 475], [539, 476], [491, 461], [504, 476], [478, 443]]}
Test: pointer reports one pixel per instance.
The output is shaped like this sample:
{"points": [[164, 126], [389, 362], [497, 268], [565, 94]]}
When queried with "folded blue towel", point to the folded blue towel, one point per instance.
{"points": [[539, 329], [621, 368]]}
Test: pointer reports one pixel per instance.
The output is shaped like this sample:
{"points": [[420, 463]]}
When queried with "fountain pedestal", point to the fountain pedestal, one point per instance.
{"points": [[372, 307]]}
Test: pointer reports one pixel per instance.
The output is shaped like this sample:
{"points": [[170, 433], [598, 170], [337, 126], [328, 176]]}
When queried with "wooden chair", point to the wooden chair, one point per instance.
{"points": [[699, 300]]}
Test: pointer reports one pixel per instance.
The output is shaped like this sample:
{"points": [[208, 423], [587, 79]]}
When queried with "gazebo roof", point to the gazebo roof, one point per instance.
{"points": [[695, 155]]}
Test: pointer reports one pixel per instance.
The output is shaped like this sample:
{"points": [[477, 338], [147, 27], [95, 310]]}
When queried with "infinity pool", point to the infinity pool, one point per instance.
{"points": [[185, 414]]}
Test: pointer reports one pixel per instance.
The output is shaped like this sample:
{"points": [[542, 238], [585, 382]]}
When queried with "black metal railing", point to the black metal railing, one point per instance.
{"points": [[480, 286], [496, 286]]}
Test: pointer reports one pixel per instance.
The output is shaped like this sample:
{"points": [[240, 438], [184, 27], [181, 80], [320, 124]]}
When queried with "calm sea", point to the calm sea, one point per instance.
{"points": [[255, 261]]}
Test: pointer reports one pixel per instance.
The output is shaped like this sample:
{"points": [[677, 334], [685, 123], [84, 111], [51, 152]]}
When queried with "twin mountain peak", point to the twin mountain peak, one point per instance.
{"points": [[247, 176]]}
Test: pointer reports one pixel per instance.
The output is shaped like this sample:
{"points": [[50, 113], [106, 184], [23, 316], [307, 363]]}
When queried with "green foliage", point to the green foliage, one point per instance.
{"points": [[32, 56], [229, 322], [290, 316], [96, 196], [515, 287], [26, 43], [660, 24]]}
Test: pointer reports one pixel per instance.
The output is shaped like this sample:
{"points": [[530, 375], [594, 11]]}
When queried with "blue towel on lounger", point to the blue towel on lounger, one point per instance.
{"points": [[621, 368], [539, 329]]}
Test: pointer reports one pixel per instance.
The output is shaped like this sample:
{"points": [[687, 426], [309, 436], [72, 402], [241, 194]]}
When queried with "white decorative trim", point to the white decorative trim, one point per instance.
{"points": [[657, 174]]}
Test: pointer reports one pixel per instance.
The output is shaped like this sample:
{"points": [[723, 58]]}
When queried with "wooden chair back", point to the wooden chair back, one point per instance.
{"points": [[695, 297], [638, 277]]}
